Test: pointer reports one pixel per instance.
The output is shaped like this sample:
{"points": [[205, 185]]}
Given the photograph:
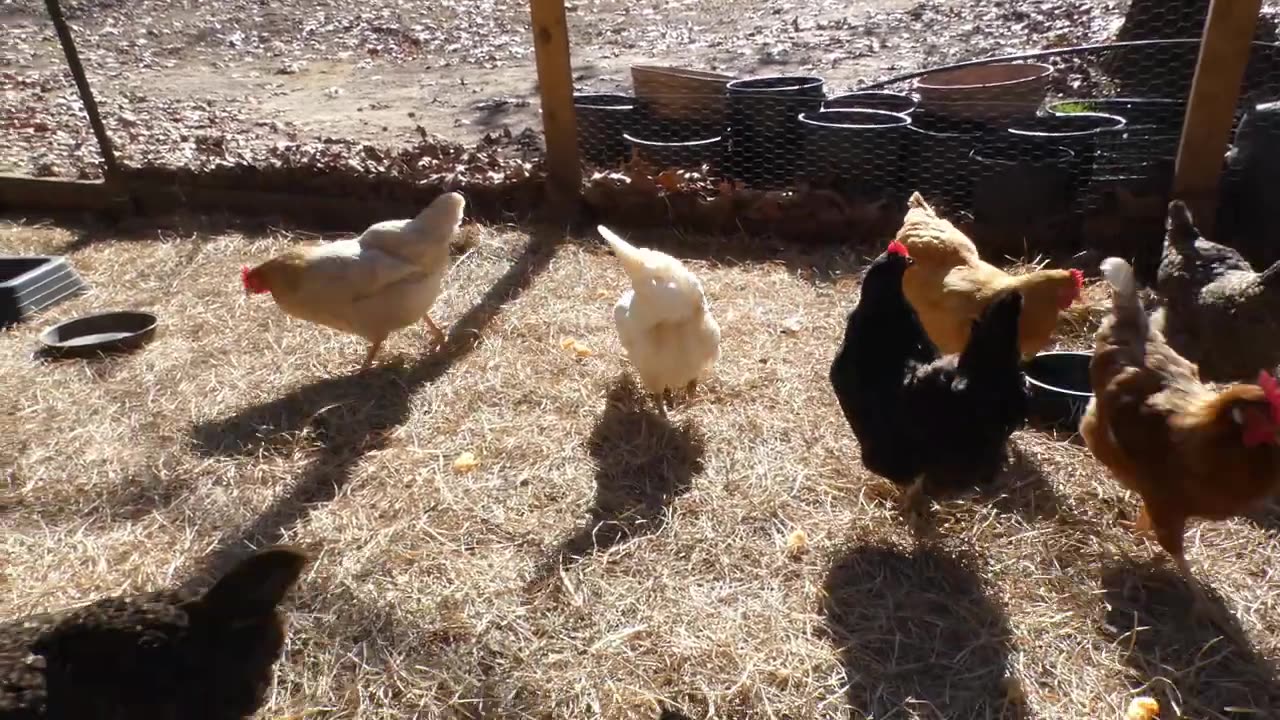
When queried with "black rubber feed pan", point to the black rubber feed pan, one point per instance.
{"points": [[101, 334], [1059, 390]]}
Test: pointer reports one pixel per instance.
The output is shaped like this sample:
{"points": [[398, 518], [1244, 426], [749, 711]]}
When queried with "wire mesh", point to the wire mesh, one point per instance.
{"points": [[760, 120], [1067, 149]]}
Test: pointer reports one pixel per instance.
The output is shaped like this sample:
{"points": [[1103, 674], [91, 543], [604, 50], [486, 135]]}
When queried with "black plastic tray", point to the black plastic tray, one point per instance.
{"points": [[31, 283]]}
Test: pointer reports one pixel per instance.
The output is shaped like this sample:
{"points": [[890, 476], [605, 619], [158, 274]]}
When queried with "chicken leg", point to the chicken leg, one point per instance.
{"points": [[913, 497], [662, 398], [437, 335], [373, 350], [691, 390], [1204, 608], [1169, 529]]}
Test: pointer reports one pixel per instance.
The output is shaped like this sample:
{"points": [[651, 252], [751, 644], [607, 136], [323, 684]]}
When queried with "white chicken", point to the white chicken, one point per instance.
{"points": [[664, 321], [373, 285]]}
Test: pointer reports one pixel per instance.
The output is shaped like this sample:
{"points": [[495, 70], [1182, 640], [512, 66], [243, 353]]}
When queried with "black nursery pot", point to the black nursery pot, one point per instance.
{"points": [[663, 153], [1164, 113], [1149, 139], [863, 146], [764, 120], [872, 100], [603, 118], [939, 159], [1020, 183], [1080, 133]]}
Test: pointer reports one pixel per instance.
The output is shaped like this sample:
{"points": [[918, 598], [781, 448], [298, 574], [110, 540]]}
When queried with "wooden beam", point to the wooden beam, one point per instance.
{"points": [[20, 193], [1215, 91], [82, 85], [555, 83]]}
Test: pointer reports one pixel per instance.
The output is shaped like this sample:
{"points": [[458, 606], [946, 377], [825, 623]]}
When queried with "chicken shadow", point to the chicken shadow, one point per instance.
{"points": [[643, 463], [350, 415], [1174, 655], [1019, 489], [1022, 489], [918, 631]]}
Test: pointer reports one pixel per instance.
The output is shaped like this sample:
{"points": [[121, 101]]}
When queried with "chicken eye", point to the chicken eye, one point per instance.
{"points": [[1238, 415]]}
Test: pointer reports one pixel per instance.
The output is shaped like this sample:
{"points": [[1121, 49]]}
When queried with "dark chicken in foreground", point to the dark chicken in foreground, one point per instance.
{"points": [[156, 656], [918, 416]]}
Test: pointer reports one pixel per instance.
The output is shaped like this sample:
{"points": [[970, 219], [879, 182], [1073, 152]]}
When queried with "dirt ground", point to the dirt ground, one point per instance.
{"points": [[735, 562], [168, 74]]}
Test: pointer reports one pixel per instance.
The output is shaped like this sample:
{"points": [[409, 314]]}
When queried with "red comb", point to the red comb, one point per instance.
{"points": [[897, 248], [1271, 389], [244, 275], [1078, 277]]}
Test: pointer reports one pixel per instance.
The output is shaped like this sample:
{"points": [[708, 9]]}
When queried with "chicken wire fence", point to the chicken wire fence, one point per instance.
{"points": [[1032, 150]]}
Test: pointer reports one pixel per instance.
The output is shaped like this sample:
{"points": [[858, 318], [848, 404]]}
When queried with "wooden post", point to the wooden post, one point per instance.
{"points": [[1224, 54], [555, 82], [82, 85]]}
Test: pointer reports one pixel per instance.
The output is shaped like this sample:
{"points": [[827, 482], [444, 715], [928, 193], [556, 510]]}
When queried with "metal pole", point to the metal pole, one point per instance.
{"points": [[82, 85]]}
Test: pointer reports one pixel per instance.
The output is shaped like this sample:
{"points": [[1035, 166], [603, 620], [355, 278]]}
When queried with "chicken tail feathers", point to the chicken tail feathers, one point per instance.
{"points": [[1180, 226], [993, 341], [1125, 304], [444, 213], [631, 257]]}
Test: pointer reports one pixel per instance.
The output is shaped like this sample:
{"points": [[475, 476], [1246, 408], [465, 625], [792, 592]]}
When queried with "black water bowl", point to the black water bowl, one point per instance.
{"points": [[1059, 389], [101, 334], [872, 100], [663, 154]]}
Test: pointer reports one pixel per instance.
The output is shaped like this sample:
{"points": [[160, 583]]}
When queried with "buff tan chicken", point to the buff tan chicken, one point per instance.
{"points": [[373, 285], [950, 285], [664, 321]]}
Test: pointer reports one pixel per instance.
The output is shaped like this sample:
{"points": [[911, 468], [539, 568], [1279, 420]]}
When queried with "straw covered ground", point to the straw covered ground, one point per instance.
{"points": [[597, 562]]}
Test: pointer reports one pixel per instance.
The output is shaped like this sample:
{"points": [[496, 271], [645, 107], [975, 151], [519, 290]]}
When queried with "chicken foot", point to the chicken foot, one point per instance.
{"points": [[1168, 531], [912, 498], [374, 347], [437, 335]]}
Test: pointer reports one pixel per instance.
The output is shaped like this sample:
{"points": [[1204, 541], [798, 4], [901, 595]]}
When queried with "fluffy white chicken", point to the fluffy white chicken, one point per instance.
{"points": [[372, 285], [664, 320]]}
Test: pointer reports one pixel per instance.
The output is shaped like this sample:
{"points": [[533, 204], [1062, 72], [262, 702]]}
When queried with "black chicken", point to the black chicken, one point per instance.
{"points": [[919, 416]]}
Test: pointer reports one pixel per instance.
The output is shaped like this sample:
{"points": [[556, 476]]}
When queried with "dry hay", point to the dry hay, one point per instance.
{"points": [[597, 562]]}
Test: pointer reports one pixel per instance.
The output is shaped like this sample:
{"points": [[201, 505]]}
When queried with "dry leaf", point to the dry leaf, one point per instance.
{"points": [[797, 543], [577, 348], [466, 462]]}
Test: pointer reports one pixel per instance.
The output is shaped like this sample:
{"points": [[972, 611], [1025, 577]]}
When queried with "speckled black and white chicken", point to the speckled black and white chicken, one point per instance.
{"points": [[1217, 312]]}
